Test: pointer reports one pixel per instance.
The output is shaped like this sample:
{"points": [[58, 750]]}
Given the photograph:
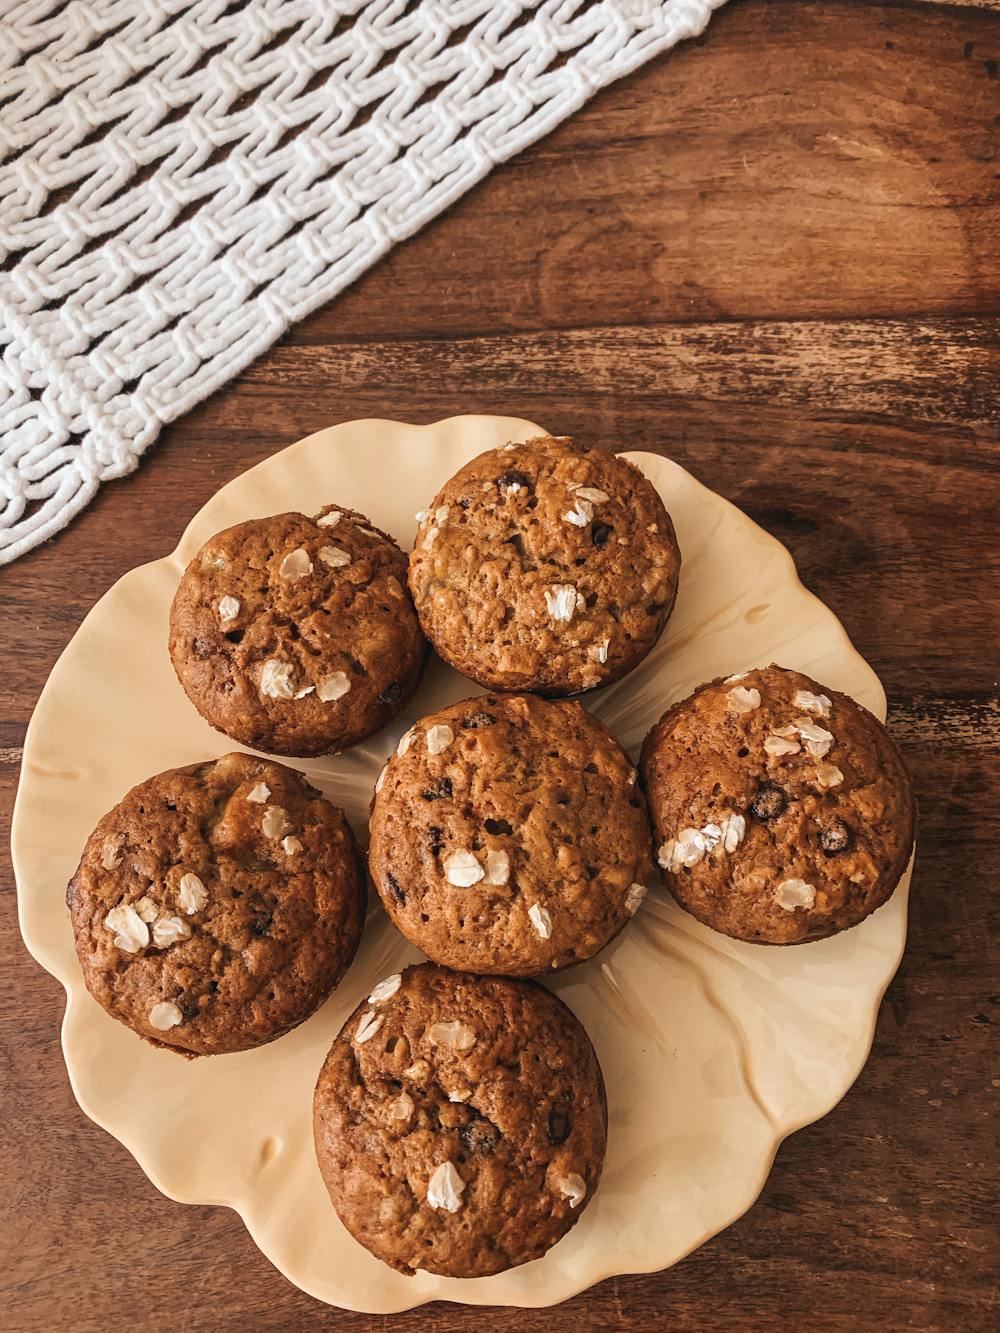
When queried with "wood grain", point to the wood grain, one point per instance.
{"points": [[774, 255]]}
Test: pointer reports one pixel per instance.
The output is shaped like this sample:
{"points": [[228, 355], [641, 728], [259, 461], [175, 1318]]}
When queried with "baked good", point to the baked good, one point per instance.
{"points": [[296, 635], [217, 905], [781, 807], [545, 566], [460, 1122], [508, 835]]}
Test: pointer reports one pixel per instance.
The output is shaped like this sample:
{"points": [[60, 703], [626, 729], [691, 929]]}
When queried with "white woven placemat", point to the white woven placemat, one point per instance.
{"points": [[180, 181]]}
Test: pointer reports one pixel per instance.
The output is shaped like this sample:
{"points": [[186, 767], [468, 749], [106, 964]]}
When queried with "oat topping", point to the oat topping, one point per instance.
{"points": [[574, 1188], [562, 600], [191, 894], [428, 541], [686, 849], [792, 893], [334, 557], [277, 679], [633, 899], [296, 564], [331, 687], [229, 608], [420, 515], [259, 794], [441, 515], [598, 652], [131, 932], [497, 867], [164, 1016], [462, 869], [291, 845], [740, 675], [168, 930], [385, 989], [369, 1025], [331, 519], [734, 828], [147, 909], [592, 494], [781, 742], [275, 823], [444, 1189], [381, 778], [406, 740], [439, 737], [581, 514], [743, 700], [812, 703], [541, 920], [818, 740], [401, 1108], [828, 775], [111, 852], [455, 1035]]}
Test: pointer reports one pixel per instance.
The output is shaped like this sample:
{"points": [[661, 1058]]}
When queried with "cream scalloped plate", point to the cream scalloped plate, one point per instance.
{"points": [[712, 1050]]}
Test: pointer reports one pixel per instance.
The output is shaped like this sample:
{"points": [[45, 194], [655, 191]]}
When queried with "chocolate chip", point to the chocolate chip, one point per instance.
{"points": [[835, 837], [768, 802], [479, 1136], [437, 834], [213, 986], [559, 1125], [391, 693], [514, 478], [395, 890], [357, 667], [189, 1008], [440, 789], [261, 924], [478, 720], [464, 502], [599, 533], [497, 826], [591, 872]]}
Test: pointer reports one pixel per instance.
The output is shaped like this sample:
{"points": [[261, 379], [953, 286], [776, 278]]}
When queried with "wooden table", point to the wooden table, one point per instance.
{"points": [[774, 255]]}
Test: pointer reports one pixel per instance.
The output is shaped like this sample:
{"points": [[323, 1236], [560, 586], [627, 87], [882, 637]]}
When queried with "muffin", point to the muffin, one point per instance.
{"points": [[508, 835], [545, 567], [296, 635], [460, 1122], [217, 905], [782, 809]]}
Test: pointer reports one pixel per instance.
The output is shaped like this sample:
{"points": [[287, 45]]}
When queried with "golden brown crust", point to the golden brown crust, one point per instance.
{"points": [[526, 1139], [515, 594], [250, 880], [825, 802], [510, 836], [296, 635]]}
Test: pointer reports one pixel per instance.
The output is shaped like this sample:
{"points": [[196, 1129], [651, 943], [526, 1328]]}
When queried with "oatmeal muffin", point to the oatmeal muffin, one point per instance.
{"points": [[508, 835], [217, 905], [545, 567], [782, 809], [460, 1122], [296, 635]]}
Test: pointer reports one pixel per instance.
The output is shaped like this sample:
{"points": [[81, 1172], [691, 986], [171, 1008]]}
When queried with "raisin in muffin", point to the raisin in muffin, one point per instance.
{"points": [[217, 905], [460, 1122], [545, 567], [508, 835], [296, 635], [782, 808]]}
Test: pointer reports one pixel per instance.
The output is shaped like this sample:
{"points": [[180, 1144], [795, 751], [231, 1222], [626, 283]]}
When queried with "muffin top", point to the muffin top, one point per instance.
{"points": [[217, 905], [508, 835], [781, 807], [460, 1122], [296, 635], [545, 567]]}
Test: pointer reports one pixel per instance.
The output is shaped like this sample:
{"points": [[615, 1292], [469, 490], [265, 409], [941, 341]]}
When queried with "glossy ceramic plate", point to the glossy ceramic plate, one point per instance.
{"points": [[712, 1050]]}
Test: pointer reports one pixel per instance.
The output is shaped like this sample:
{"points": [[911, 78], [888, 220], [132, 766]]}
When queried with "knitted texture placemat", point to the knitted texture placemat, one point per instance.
{"points": [[179, 182]]}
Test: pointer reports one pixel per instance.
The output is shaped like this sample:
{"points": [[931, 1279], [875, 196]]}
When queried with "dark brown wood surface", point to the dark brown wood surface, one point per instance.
{"points": [[775, 256]]}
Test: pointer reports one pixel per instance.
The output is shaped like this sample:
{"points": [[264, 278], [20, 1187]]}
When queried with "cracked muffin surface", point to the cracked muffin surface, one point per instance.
{"points": [[460, 1122], [782, 809], [509, 836], [297, 635], [217, 905], [545, 566]]}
